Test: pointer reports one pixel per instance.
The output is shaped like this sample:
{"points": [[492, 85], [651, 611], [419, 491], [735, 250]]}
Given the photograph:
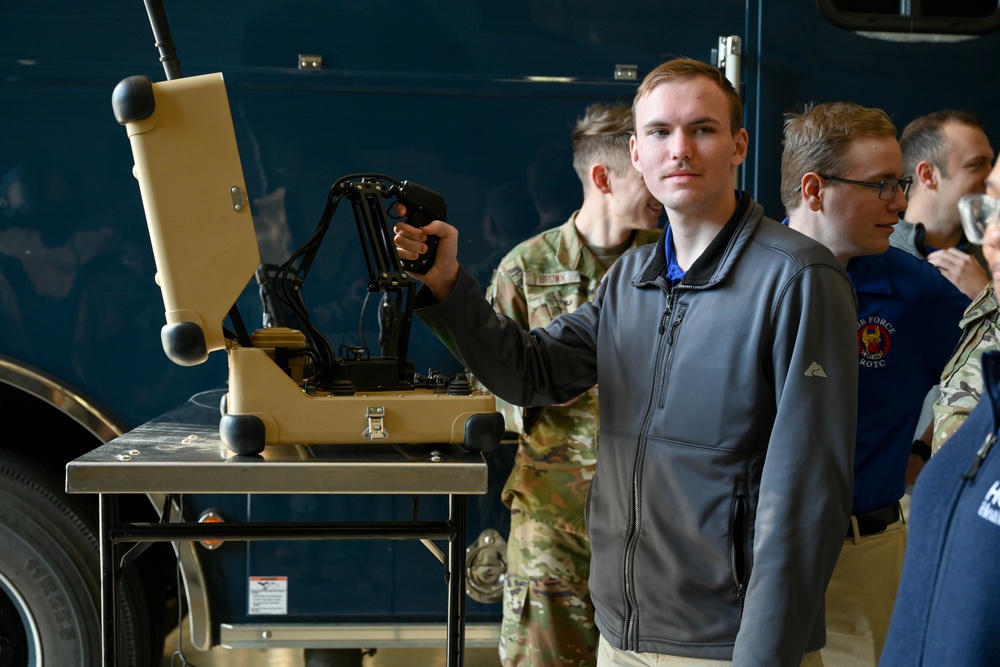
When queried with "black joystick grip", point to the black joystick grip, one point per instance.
{"points": [[423, 206]]}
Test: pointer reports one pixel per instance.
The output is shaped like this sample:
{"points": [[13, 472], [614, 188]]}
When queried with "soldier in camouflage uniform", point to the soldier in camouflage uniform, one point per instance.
{"points": [[548, 617], [962, 379]]}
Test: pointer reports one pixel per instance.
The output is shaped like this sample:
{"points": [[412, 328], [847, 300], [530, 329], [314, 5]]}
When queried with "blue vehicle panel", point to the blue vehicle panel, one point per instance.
{"points": [[475, 100]]}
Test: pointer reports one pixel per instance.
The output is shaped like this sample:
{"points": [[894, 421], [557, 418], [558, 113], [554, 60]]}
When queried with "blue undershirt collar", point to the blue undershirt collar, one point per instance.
{"points": [[674, 272]]}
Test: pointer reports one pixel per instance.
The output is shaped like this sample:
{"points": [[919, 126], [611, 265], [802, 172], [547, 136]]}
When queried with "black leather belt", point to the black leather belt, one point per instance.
{"points": [[871, 523]]}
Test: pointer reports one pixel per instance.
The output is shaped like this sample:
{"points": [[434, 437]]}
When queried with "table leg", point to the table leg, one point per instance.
{"points": [[456, 581], [108, 512]]}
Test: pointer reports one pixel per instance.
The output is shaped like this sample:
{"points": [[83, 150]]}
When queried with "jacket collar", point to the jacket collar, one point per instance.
{"points": [[991, 376], [914, 233], [917, 233], [717, 259]]}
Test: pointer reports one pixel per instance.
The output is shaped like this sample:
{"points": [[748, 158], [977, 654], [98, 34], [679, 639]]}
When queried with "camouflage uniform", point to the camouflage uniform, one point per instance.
{"points": [[548, 618], [962, 379]]}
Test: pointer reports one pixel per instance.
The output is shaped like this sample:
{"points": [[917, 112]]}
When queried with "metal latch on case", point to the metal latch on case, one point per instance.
{"points": [[376, 429]]}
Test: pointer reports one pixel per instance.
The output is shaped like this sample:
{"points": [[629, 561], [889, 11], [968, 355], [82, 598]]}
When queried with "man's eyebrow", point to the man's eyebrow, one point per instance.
{"points": [[704, 120], [700, 120]]}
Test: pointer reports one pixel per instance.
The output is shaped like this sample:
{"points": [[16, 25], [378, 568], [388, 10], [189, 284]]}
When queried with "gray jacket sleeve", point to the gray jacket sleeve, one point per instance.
{"points": [[807, 481], [536, 368]]}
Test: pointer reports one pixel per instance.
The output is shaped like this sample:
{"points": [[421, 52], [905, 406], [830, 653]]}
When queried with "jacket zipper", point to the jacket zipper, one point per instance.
{"points": [[739, 552], [629, 640], [980, 456], [669, 324]]}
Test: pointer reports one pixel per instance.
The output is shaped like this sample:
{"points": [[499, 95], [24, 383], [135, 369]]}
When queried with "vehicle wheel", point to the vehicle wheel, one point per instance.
{"points": [[49, 577]]}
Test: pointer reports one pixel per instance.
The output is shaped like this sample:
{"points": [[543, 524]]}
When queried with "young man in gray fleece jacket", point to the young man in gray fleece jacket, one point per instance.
{"points": [[727, 360]]}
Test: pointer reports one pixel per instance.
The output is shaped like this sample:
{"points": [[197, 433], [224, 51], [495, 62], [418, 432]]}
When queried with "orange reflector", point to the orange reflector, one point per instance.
{"points": [[210, 516]]}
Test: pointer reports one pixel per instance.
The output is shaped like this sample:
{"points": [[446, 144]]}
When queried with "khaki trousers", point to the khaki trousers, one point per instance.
{"points": [[609, 656], [861, 595]]}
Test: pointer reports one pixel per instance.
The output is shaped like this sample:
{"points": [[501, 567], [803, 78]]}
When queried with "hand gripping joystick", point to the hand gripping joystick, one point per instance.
{"points": [[422, 207]]}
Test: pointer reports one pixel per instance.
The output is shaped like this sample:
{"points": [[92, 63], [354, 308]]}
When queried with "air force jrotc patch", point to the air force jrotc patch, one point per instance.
{"points": [[874, 340]]}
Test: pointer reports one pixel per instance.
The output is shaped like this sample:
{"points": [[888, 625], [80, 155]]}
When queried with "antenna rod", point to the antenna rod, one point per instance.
{"points": [[161, 33]]}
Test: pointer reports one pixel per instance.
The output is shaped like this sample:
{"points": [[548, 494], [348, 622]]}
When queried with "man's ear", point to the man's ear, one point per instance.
{"points": [[926, 175], [742, 143], [600, 178], [812, 191]]}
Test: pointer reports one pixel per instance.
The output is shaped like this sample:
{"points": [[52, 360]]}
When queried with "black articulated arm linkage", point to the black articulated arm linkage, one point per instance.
{"points": [[372, 197]]}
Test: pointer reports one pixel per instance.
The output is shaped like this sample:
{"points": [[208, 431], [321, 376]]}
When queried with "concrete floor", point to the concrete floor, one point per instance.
{"points": [[384, 657]]}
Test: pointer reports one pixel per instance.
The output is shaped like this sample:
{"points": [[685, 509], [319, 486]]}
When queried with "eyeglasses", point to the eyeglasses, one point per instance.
{"points": [[886, 189], [979, 212]]}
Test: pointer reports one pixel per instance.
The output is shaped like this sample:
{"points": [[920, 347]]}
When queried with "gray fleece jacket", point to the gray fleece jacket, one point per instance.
{"points": [[728, 414]]}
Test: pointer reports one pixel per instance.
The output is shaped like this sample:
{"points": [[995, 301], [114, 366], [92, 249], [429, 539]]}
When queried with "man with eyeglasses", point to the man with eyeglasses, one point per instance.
{"points": [[842, 184], [948, 156]]}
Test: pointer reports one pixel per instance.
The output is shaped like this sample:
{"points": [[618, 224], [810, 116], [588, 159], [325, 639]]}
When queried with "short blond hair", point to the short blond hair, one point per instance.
{"points": [[818, 137], [681, 69], [602, 135]]}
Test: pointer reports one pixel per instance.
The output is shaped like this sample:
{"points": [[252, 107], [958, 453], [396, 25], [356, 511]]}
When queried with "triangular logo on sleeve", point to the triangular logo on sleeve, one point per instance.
{"points": [[815, 370]]}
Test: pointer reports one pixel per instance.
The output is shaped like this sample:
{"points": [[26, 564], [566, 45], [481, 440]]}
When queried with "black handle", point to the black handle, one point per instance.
{"points": [[423, 206], [164, 43]]}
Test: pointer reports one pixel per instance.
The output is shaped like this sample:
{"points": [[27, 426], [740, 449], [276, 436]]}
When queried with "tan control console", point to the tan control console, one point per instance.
{"points": [[201, 228]]}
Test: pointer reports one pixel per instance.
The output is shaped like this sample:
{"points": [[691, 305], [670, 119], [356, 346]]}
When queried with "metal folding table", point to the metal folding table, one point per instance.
{"points": [[181, 452]]}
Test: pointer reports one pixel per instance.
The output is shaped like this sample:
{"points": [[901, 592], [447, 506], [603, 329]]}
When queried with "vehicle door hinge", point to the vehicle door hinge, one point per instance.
{"points": [[310, 61], [728, 58], [626, 72]]}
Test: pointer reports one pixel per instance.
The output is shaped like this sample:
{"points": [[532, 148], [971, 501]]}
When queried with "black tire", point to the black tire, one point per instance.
{"points": [[49, 577]]}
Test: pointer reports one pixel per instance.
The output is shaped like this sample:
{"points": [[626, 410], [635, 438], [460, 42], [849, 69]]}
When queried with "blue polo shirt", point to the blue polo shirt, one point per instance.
{"points": [[908, 326]]}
